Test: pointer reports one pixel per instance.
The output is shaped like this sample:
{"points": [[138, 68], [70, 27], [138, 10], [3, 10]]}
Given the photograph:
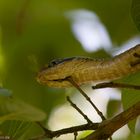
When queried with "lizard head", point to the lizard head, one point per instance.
{"points": [[56, 73]]}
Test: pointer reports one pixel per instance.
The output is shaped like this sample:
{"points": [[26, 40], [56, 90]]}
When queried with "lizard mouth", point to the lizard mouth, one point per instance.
{"points": [[41, 79], [60, 80], [58, 83]]}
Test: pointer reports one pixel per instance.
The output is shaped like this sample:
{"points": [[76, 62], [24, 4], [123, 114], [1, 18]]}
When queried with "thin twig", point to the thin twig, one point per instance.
{"points": [[57, 133], [87, 98], [116, 85], [47, 131], [75, 106], [75, 135], [73, 129]]}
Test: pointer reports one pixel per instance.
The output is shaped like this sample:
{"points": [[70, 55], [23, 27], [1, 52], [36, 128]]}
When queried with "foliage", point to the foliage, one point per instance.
{"points": [[34, 32]]}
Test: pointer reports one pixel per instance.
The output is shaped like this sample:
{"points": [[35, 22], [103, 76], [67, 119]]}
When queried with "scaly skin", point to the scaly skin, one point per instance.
{"points": [[84, 70]]}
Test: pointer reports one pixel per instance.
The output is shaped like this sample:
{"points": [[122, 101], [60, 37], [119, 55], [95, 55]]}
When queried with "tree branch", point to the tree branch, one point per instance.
{"points": [[57, 133], [75, 106], [116, 85], [108, 127], [87, 98]]}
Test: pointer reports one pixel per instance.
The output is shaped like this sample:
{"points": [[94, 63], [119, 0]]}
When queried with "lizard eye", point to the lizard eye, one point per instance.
{"points": [[54, 62], [58, 61]]}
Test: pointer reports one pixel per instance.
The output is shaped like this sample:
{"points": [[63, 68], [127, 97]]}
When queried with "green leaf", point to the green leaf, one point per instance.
{"points": [[130, 97], [84, 134], [16, 129], [15, 109], [135, 12], [113, 107]]}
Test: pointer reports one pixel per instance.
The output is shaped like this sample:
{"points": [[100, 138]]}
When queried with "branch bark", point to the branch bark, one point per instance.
{"points": [[108, 127], [116, 85], [104, 129]]}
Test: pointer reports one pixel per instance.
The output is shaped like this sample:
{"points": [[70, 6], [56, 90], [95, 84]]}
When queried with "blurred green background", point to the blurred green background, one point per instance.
{"points": [[34, 32]]}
